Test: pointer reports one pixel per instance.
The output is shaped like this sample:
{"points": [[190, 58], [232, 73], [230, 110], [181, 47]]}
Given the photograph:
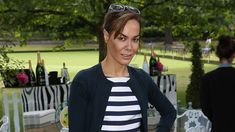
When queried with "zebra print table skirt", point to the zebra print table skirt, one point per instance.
{"points": [[44, 97]]}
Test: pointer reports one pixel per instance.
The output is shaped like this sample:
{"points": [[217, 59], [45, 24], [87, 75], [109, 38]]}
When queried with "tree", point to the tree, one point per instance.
{"points": [[75, 21], [192, 92], [70, 20], [188, 19]]}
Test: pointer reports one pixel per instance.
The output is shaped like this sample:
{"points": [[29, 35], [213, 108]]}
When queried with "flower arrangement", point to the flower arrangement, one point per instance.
{"points": [[159, 66], [155, 65], [8, 69], [22, 78]]}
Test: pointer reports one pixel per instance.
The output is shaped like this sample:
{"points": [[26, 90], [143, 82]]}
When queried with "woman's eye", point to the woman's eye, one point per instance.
{"points": [[122, 38], [136, 40]]}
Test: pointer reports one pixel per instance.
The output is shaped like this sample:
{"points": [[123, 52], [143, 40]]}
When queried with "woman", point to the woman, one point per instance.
{"points": [[217, 90], [111, 96]]}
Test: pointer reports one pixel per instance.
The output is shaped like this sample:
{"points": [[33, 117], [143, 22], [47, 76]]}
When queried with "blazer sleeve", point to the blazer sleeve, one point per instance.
{"points": [[205, 97], [77, 104], [163, 106]]}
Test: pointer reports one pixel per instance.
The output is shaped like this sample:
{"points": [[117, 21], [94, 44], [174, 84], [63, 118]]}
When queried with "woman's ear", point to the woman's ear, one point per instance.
{"points": [[106, 36], [233, 56]]}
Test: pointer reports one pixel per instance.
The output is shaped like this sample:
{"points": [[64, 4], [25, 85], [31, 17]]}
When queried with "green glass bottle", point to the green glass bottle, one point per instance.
{"points": [[153, 64], [32, 78], [40, 72]]}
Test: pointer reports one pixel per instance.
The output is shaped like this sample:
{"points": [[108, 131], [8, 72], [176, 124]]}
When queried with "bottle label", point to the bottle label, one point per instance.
{"points": [[42, 81], [154, 71]]}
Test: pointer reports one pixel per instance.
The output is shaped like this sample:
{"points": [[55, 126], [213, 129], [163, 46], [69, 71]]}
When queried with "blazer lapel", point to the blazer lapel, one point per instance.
{"points": [[103, 89]]}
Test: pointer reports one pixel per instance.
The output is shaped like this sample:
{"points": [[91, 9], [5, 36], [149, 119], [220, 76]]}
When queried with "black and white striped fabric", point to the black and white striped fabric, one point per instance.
{"points": [[44, 97], [123, 110]]}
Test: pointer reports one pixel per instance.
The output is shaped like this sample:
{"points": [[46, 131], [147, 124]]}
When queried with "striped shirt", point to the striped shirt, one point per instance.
{"points": [[122, 111]]}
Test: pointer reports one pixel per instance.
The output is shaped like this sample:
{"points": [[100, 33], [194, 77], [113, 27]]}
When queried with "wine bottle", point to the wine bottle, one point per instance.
{"points": [[153, 64], [46, 73], [64, 74], [32, 79], [145, 66], [40, 72]]}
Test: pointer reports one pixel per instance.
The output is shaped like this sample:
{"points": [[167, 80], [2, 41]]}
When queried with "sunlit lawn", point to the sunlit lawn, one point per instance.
{"points": [[43, 47]]}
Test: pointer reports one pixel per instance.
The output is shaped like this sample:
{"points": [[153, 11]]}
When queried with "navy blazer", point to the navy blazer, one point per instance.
{"points": [[89, 95]]}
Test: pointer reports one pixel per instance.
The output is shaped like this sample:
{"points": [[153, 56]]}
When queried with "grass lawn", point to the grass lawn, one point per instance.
{"points": [[75, 61], [43, 47]]}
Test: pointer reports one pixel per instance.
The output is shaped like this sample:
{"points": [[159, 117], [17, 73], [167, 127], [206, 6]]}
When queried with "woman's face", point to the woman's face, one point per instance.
{"points": [[122, 49]]}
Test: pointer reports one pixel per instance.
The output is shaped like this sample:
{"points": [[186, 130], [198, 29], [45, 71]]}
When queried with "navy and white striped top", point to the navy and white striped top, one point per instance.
{"points": [[123, 110]]}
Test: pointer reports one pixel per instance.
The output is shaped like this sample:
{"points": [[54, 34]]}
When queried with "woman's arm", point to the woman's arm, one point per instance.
{"points": [[163, 106], [77, 105]]}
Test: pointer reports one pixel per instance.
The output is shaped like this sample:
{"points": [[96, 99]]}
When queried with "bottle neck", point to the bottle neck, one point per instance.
{"points": [[42, 62], [39, 58], [30, 65], [153, 54]]}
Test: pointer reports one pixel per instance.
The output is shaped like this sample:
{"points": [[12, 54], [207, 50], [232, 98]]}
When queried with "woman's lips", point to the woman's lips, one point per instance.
{"points": [[126, 56]]}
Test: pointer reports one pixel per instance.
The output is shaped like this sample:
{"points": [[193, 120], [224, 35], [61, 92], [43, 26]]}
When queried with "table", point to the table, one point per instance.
{"points": [[206, 51], [39, 105], [44, 97]]}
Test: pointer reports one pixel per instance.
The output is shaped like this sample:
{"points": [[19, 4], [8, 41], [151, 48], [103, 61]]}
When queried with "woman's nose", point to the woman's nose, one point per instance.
{"points": [[129, 45]]}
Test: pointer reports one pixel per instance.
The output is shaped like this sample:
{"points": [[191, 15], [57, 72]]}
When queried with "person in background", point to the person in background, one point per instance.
{"points": [[206, 50], [217, 90], [112, 96], [208, 42]]}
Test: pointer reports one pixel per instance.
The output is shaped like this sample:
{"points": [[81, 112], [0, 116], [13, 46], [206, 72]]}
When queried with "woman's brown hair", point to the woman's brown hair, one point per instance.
{"points": [[226, 47], [115, 21]]}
